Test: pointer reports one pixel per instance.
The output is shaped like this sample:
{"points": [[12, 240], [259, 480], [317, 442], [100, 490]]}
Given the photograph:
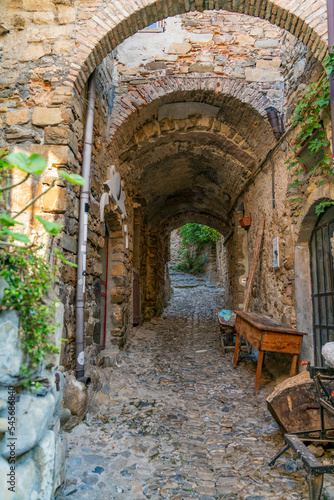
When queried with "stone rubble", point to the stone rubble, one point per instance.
{"points": [[179, 421]]}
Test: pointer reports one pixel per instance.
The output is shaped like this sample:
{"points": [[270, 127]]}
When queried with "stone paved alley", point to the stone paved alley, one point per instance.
{"points": [[180, 421]]}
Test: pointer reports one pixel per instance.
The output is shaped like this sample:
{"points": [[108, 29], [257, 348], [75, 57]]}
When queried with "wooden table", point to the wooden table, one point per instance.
{"points": [[266, 334]]}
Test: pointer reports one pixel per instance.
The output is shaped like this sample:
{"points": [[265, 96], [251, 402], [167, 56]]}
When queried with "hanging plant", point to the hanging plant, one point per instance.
{"points": [[307, 115], [24, 263]]}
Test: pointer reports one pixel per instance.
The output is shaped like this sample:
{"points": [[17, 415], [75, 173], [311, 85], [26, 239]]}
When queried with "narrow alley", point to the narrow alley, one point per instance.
{"points": [[180, 421]]}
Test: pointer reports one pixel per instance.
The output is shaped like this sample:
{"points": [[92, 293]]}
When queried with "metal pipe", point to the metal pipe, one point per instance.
{"points": [[82, 237], [330, 24], [273, 180]]}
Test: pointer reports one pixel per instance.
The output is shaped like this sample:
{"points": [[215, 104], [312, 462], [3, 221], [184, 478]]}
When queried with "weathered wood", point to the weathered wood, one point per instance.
{"points": [[266, 334], [258, 371], [264, 322], [236, 349], [275, 342], [255, 261], [308, 459], [294, 405], [250, 333]]}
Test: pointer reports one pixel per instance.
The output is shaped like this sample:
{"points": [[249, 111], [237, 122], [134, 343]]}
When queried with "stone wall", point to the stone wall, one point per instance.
{"points": [[32, 451], [215, 43]]}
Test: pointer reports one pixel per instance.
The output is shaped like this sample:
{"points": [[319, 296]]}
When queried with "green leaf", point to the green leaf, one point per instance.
{"points": [[19, 160], [5, 220], [73, 178], [33, 164], [50, 227], [62, 258], [18, 236], [36, 164]]}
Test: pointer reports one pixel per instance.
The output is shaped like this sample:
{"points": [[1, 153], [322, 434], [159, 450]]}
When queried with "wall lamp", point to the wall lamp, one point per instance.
{"points": [[276, 121]]}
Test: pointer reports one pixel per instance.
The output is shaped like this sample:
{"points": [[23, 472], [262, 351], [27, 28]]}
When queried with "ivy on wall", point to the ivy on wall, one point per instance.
{"points": [[24, 265], [308, 115], [194, 239]]}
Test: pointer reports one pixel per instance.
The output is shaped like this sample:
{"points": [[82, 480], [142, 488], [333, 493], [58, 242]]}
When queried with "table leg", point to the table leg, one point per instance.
{"points": [[236, 349], [293, 365], [258, 371]]}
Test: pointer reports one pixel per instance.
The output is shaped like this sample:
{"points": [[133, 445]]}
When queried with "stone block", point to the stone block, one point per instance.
{"points": [[26, 477], [69, 275], [57, 156], [238, 73], [64, 47], [201, 68], [267, 43], [33, 416], [18, 117], [60, 135], [43, 17], [154, 66], [69, 243], [180, 49], [65, 14], [41, 117], [97, 269], [44, 459], [23, 195], [245, 40], [262, 75], [32, 52], [11, 353], [200, 38], [75, 399], [118, 270], [56, 200], [61, 93], [264, 64]]}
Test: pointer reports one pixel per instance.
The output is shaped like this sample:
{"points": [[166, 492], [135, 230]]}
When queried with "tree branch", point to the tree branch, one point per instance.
{"points": [[14, 185], [6, 243], [35, 199]]}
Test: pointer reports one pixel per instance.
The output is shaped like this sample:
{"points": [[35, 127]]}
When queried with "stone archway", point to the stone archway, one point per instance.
{"points": [[112, 24], [166, 90], [304, 307]]}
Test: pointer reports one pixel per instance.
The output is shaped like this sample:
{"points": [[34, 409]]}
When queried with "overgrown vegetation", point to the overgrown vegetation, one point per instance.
{"points": [[194, 239], [24, 263], [308, 115]]}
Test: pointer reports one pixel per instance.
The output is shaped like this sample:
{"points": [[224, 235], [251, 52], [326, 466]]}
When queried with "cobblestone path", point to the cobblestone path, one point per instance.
{"points": [[180, 421]]}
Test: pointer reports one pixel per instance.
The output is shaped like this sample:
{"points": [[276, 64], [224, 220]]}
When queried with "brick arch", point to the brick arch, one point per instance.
{"points": [[126, 111], [178, 219], [215, 136], [115, 21]]}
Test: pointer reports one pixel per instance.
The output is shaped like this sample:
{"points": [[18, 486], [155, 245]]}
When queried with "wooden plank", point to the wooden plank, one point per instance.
{"points": [[263, 322], [284, 343], [250, 333], [258, 371], [309, 460], [255, 260]]}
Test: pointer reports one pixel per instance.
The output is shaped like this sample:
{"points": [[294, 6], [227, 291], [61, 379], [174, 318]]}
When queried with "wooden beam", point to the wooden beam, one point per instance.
{"points": [[255, 261]]}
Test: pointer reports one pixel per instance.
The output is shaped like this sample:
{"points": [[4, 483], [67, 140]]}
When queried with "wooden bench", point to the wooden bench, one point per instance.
{"points": [[266, 334]]}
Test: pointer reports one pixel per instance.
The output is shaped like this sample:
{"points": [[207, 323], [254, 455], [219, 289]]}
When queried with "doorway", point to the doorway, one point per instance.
{"points": [[322, 283]]}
